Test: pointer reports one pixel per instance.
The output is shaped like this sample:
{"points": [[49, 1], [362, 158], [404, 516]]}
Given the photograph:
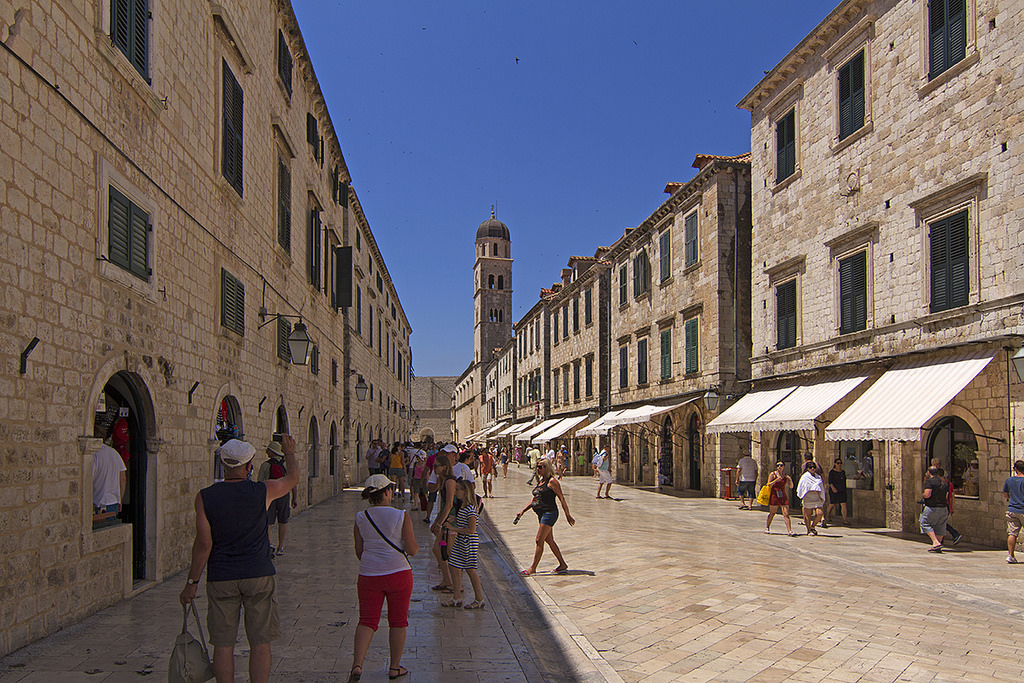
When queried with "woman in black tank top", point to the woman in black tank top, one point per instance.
{"points": [[544, 504]]}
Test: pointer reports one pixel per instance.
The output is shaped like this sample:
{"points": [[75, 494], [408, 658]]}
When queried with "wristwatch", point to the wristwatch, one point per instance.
{"points": [[192, 582]]}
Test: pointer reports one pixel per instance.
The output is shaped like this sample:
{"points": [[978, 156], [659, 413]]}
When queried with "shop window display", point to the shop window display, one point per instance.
{"points": [[952, 442]]}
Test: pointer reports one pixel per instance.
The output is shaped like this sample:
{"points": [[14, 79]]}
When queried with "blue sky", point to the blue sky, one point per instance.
{"points": [[569, 116]]}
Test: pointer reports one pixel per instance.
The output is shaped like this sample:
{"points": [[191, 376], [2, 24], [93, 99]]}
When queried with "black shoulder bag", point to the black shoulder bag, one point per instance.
{"points": [[386, 539]]}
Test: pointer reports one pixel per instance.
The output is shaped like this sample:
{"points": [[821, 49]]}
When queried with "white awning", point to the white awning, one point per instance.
{"points": [[509, 431], [642, 414], [536, 429], [903, 399], [555, 431], [800, 408], [600, 426], [484, 432], [742, 416]]}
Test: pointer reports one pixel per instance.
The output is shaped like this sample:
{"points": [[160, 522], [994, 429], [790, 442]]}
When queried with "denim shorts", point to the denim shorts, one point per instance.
{"points": [[548, 518]]}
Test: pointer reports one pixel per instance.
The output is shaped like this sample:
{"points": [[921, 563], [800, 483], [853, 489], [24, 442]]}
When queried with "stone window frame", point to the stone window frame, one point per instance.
{"points": [[971, 55], [857, 39], [862, 238], [966, 194], [110, 176], [790, 99], [143, 85], [781, 274]]}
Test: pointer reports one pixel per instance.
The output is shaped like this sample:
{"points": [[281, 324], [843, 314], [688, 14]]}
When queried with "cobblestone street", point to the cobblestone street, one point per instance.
{"points": [[660, 588]]}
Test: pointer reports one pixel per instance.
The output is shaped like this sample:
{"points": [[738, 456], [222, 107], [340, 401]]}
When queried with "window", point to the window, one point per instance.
{"points": [[359, 241], [284, 206], [232, 302], [369, 313], [554, 386], [342, 295], [588, 309], [554, 328], [129, 32], [954, 445], [641, 273], [334, 372], [690, 329], [588, 377], [490, 282], [380, 336], [128, 230], [359, 310], [565, 382], [313, 135], [947, 34], [576, 381], [666, 353], [858, 463], [623, 367], [313, 245], [851, 96], [284, 328], [641, 361], [314, 360], [665, 254], [691, 239], [785, 146], [853, 293], [949, 262], [624, 285], [231, 165], [380, 282], [576, 315], [565, 322], [284, 62], [785, 314]]}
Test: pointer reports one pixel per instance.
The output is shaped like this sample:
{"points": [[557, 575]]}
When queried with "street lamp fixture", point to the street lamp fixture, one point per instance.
{"points": [[361, 387], [299, 343], [711, 400], [592, 415], [402, 412]]}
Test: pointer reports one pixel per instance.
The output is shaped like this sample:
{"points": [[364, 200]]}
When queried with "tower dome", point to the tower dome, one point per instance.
{"points": [[492, 227]]}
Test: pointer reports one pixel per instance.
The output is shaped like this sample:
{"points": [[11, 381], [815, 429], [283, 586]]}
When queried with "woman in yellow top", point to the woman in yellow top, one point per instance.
{"points": [[397, 469]]}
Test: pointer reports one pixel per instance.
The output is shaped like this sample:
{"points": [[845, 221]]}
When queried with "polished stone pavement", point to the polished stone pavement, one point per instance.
{"points": [[660, 588]]}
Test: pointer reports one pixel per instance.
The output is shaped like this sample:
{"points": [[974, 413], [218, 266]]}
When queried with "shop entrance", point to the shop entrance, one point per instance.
{"points": [[624, 462], [229, 426], [695, 452], [666, 456]]}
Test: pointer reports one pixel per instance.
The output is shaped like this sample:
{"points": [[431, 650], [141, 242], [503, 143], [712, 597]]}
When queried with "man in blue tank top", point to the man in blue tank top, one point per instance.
{"points": [[232, 544]]}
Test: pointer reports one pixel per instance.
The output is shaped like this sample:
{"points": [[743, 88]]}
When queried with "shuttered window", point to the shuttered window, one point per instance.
{"points": [[588, 378], [692, 332], [947, 34], [641, 273], [342, 277], [129, 32], [314, 359], [231, 165], [284, 328], [284, 206], [588, 308], [665, 254], [313, 246], [565, 383], [666, 353], [949, 262], [623, 367], [576, 381], [785, 310], [359, 310], [554, 385], [691, 239], [851, 96], [576, 315], [128, 230], [785, 146], [554, 329], [284, 62], [565, 322], [853, 293], [624, 285], [232, 302], [641, 361]]}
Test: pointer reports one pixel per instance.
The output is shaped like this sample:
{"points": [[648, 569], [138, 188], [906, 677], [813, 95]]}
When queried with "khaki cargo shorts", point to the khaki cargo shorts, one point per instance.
{"points": [[1014, 522], [258, 597]]}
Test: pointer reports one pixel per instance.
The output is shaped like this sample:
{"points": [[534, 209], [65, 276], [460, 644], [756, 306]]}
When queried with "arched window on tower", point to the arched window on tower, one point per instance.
{"points": [[501, 316], [490, 282], [494, 249], [501, 282]]}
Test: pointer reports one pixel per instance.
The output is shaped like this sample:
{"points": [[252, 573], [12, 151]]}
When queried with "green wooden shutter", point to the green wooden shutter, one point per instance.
{"points": [[313, 242], [959, 284], [284, 328], [120, 23], [284, 62], [342, 277], [623, 366], [624, 285], [284, 206], [118, 217], [853, 293], [232, 311], [589, 378], [641, 361], [233, 123], [666, 353], [851, 96], [785, 146], [565, 322], [139, 55], [665, 253], [692, 347], [588, 308], [785, 310], [691, 239], [576, 315], [947, 34], [138, 253]]}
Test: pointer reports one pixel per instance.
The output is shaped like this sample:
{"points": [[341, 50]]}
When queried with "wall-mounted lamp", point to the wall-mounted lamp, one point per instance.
{"points": [[24, 354], [592, 415], [361, 387], [1017, 360], [402, 412], [299, 343], [711, 400]]}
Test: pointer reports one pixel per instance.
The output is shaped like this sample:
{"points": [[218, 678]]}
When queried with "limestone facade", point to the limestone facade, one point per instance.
{"points": [[886, 155], [165, 196], [432, 408]]}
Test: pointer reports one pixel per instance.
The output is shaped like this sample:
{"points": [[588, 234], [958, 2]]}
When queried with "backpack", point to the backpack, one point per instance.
{"points": [[277, 470]]}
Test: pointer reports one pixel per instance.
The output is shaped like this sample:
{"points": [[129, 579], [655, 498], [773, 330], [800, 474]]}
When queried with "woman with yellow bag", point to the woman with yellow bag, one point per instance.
{"points": [[778, 482]]}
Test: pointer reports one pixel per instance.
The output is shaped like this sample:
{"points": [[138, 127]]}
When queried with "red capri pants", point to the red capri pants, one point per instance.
{"points": [[396, 588]]}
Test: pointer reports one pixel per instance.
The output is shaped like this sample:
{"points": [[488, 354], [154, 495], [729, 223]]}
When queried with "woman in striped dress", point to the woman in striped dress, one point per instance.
{"points": [[463, 554]]}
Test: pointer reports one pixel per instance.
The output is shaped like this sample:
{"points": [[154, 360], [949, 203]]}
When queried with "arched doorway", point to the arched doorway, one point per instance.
{"points": [[281, 422], [624, 461], [953, 444], [787, 451], [666, 456], [228, 426], [311, 458], [644, 460], [125, 424], [696, 452]]}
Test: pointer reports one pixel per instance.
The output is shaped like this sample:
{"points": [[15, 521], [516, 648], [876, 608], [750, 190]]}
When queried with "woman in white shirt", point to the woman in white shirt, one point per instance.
{"points": [[811, 491], [384, 541]]}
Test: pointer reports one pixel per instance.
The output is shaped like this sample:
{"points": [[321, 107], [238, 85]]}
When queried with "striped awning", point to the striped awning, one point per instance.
{"points": [[528, 434], [556, 430], [600, 426], [512, 429], [803, 406], [643, 413], [741, 416]]}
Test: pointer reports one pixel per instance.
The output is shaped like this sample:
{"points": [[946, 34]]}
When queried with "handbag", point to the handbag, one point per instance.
{"points": [[764, 495], [388, 540], [190, 660]]}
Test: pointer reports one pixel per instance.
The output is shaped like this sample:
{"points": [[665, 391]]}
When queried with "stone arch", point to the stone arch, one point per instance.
{"points": [[225, 391]]}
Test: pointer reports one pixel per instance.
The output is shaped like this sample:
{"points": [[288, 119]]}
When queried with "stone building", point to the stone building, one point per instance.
{"points": [[432, 408], [885, 151], [174, 202]]}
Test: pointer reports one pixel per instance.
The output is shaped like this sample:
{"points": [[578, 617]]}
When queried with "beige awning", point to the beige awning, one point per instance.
{"points": [[600, 426], [513, 429], [742, 416], [802, 407], [484, 432], [528, 434], [898, 405], [556, 430], [643, 413]]}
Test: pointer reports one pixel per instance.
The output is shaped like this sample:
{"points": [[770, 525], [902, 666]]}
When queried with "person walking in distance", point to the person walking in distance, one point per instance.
{"points": [[811, 491], [384, 540], [1013, 493], [837, 491], [545, 495], [232, 545], [935, 513], [603, 466], [778, 501], [280, 510], [747, 481]]}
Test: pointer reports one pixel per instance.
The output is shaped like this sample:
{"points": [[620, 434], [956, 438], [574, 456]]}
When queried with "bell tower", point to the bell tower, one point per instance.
{"points": [[492, 283]]}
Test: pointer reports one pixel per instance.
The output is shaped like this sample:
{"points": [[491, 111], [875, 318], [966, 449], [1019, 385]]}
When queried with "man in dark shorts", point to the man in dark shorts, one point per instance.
{"points": [[280, 511], [837, 491], [239, 569], [936, 510]]}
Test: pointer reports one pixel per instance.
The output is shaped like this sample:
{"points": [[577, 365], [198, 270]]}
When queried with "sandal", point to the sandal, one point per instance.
{"points": [[442, 588], [476, 604], [792, 534], [452, 603], [355, 675], [401, 672], [527, 572], [560, 569]]}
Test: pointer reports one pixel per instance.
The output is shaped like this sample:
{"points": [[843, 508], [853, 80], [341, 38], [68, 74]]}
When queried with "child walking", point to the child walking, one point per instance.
{"points": [[464, 550]]}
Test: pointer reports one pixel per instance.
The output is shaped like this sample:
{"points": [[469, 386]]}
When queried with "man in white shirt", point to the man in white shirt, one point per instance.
{"points": [[748, 482], [108, 481]]}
